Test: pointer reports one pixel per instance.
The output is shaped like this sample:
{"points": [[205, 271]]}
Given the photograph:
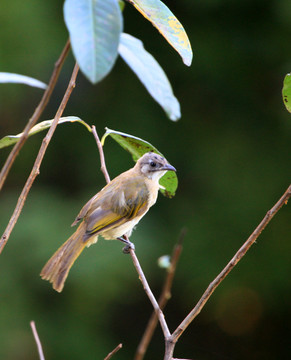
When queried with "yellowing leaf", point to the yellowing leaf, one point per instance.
{"points": [[168, 25], [13, 139]]}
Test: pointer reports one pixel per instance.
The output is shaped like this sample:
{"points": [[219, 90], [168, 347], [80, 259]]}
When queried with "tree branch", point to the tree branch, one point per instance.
{"points": [[101, 153], [164, 297], [39, 158], [237, 257], [150, 295], [37, 340], [113, 352], [36, 115]]}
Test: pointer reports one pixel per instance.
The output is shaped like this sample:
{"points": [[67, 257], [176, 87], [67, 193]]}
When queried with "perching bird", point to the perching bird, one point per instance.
{"points": [[111, 213]]}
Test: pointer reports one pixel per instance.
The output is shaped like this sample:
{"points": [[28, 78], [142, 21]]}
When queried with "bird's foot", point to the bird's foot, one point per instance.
{"points": [[129, 245]]}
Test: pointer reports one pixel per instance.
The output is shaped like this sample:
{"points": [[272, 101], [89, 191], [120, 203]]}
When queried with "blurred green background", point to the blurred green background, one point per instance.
{"points": [[232, 152]]}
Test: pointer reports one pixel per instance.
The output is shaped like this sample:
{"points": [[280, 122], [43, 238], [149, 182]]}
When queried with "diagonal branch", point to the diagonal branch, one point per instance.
{"points": [[164, 297], [113, 352], [36, 115], [37, 163], [150, 295], [101, 153], [37, 340], [237, 257]]}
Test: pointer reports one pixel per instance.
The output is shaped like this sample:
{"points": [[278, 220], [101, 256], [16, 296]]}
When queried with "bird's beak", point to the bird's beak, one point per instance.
{"points": [[168, 167]]}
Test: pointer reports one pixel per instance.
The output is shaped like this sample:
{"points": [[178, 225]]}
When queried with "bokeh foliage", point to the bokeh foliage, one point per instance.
{"points": [[232, 152]]}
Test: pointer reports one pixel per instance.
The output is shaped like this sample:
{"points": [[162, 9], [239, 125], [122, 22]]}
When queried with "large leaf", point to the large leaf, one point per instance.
{"points": [[12, 139], [21, 79], [168, 25], [137, 147], [95, 27], [150, 74], [286, 92]]}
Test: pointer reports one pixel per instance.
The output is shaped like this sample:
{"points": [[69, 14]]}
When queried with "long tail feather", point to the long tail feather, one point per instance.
{"points": [[57, 268]]}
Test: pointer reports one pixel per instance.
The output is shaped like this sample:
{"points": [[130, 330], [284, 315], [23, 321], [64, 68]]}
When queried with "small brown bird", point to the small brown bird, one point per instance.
{"points": [[111, 213]]}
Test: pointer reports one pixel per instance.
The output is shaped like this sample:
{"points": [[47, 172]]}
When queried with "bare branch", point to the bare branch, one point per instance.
{"points": [[37, 163], [101, 153], [37, 340], [164, 297], [150, 295], [36, 115], [237, 257], [109, 356]]}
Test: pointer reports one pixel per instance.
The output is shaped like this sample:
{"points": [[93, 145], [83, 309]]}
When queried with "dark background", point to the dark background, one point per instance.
{"points": [[232, 152]]}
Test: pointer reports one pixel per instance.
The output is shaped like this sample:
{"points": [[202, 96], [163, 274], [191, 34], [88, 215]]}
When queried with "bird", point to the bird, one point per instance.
{"points": [[112, 213]]}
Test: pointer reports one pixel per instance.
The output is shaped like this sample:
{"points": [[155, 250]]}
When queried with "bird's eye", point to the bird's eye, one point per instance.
{"points": [[153, 164]]}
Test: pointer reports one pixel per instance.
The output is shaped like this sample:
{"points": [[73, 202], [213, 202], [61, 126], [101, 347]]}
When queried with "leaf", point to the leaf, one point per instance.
{"points": [[137, 147], [286, 92], [21, 79], [149, 73], [168, 25], [95, 27], [13, 139], [121, 4]]}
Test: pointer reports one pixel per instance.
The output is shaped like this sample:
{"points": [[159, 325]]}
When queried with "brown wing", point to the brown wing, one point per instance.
{"points": [[117, 203], [84, 210]]}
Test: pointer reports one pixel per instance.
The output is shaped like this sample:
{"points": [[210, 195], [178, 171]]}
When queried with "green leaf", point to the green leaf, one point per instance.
{"points": [[168, 25], [137, 147], [21, 79], [13, 139], [95, 27], [286, 92], [121, 4], [150, 74]]}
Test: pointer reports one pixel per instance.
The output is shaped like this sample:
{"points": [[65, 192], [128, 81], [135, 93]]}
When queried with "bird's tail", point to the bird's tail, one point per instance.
{"points": [[57, 268]]}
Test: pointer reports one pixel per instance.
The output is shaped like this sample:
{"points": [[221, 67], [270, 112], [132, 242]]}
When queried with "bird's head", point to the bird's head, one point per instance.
{"points": [[153, 166]]}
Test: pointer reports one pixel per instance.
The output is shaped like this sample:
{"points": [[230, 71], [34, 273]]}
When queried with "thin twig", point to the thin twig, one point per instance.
{"points": [[164, 297], [37, 163], [36, 115], [101, 153], [113, 352], [37, 340], [150, 295], [237, 257]]}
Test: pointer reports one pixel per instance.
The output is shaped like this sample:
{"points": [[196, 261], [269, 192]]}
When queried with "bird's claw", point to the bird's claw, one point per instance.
{"points": [[129, 245]]}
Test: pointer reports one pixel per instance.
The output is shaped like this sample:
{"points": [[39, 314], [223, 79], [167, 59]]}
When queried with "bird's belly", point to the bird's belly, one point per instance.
{"points": [[124, 229]]}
